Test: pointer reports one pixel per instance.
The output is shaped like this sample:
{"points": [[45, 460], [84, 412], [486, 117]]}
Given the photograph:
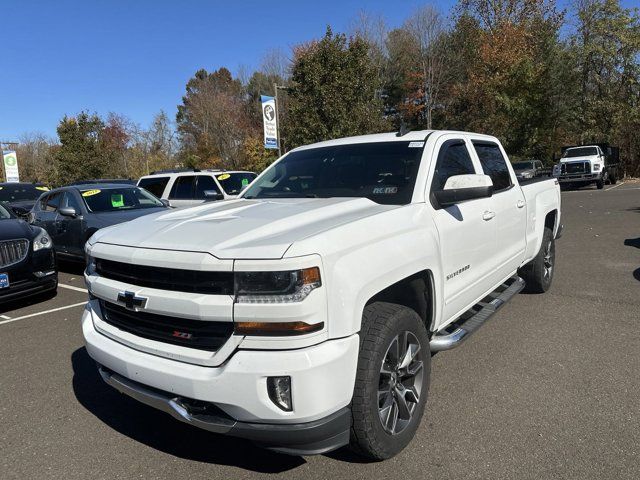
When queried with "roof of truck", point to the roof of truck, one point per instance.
{"points": [[413, 136]]}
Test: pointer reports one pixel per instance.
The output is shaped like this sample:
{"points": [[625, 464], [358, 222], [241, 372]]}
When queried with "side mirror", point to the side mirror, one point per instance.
{"points": [[213, 195], [460, 188], [68, 212], [165, 202]]}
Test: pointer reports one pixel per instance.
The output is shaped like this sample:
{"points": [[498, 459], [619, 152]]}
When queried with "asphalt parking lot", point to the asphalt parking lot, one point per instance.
{"points": [[548, 389]]}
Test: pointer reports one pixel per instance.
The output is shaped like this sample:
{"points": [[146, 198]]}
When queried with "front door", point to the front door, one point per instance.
{"points": [[466, 232]]}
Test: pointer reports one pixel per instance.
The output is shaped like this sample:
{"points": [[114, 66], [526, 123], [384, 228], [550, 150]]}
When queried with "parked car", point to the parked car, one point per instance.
{"points": [[72, 214], [185, 188], [27, 259], [302, 315], [20, 197], [530, 169], [588, 164]]}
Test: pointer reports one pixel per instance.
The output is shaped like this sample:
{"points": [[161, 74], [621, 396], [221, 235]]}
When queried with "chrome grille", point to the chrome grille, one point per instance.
{"points": [[13, 251]]}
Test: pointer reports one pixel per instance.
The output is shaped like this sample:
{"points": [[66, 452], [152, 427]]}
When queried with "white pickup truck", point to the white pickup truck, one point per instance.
{"points": [[303, 315]]}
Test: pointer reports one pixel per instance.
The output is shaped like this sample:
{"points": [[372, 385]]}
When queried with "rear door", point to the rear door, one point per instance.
{"points": [[183, 191], [467, 236], [508, 206]]}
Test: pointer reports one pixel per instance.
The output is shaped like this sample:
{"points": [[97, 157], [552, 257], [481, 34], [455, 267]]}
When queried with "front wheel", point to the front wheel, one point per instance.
{"points": [[392, 380], [538, 273]]}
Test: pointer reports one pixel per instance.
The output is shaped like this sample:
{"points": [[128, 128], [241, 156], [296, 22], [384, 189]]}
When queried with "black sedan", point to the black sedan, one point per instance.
{"points": [[27, 259], [20, 197], [73, 213]]}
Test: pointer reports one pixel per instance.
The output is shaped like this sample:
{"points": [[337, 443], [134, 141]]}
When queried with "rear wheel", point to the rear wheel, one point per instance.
{"points": [[392, 380], [600, 184], [538, 273], [612, 177]]}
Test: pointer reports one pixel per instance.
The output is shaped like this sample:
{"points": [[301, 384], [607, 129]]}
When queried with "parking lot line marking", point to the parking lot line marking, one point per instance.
{"points": [[71, 287], [42, 313], [615, 186], [5, 317]]}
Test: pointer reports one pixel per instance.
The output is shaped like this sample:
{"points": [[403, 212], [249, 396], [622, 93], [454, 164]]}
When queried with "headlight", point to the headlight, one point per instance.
{"points": [[596, 167], [276, 287], [91, 265], [42, 240]]}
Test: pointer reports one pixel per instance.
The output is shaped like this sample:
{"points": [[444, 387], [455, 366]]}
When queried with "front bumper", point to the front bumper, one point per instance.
{"points": [[322, 376], [310, 438], [580, 178], [37, 274]]}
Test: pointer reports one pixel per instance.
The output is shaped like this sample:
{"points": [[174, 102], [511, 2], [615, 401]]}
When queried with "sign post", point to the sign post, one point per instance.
{"points": [[270, 120], [10, 160]]}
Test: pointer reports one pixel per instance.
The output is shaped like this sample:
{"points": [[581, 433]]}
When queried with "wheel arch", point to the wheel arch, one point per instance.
{"points": [[416, 291]]}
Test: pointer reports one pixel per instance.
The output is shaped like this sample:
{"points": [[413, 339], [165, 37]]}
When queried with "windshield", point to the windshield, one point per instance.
{"points": [[522, 166], [580, 152], [4, 213], [382, 172], [117, 199], [234, 183], [20, 192]]}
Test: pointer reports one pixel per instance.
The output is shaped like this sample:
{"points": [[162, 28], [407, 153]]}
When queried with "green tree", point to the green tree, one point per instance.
{"points": [[82, 153], [334, 91]]}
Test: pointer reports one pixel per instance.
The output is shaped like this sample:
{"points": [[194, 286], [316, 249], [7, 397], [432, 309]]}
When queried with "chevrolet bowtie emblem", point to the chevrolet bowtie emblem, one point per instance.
{"points": [[131, 301]]}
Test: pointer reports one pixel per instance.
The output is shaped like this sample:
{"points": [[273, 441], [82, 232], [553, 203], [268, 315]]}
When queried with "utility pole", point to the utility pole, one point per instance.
{"points": [[275, 88]]}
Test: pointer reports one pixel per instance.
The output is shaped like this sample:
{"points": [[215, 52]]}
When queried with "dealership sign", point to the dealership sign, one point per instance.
{"points": [[270, 121], [11, 166]]}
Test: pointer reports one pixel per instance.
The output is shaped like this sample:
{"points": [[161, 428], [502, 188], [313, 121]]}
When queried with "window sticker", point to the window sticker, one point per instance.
{"points": [[224, 176], [117, 200], [42, 189], [245, 182], [90, 193], [416, 144]]}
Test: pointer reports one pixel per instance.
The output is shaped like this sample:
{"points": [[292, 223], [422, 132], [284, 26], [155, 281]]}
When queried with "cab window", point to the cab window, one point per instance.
{"points": [[493, 164], [453, 159]]}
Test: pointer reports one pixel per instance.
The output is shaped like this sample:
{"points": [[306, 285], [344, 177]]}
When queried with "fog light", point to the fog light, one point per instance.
{"points": [[279, 389]]}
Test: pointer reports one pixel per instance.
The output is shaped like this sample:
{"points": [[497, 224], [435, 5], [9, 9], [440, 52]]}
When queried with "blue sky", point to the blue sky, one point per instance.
{"points": [[134, 57]]}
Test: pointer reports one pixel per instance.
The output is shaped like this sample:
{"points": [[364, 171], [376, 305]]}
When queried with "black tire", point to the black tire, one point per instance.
{"points": [[600, 184], [612, 178], [538, 273], [386, 326]]}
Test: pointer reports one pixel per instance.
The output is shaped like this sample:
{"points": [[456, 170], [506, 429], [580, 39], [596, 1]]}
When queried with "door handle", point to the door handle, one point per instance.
{"points": [[488, 215], [520, 203]]}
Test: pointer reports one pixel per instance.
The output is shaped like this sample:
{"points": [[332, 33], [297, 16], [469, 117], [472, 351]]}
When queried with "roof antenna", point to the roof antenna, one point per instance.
{"points": [[403, 129]]}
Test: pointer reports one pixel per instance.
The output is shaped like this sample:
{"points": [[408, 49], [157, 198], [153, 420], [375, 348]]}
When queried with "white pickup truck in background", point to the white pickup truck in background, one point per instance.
{"points": [[302, 316], [588, 164]]}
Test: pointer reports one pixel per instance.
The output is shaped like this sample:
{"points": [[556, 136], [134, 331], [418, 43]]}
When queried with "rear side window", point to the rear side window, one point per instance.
{"points": [[453, 159], [155, 185], [183, 188], [205, 183], [493, 164]]}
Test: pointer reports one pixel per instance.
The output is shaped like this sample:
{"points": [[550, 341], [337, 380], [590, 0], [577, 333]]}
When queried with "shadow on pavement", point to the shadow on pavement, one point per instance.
{"points": [[632, 242], [158, 430], [27, 302]]}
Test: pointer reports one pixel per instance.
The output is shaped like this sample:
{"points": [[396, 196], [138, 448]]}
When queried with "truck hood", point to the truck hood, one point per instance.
{"points": [[240, 229]]}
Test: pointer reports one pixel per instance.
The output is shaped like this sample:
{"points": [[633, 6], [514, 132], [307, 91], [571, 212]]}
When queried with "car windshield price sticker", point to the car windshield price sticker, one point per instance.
{"points": [[90, 193], [117, 200]]}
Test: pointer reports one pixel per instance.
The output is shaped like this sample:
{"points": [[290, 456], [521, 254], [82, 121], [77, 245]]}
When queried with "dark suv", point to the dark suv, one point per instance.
{"points": [[27, 259]]}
